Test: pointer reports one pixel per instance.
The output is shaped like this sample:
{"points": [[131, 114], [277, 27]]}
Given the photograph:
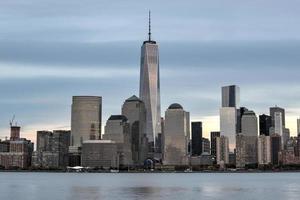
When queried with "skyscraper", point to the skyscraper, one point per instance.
{"points": [[134, 110], [196, 138], [150, 86], [222, 150], [213, 143], [177, 134], [272, 114], [265, 123], [231, 96], [85, 119], [228, 113]]}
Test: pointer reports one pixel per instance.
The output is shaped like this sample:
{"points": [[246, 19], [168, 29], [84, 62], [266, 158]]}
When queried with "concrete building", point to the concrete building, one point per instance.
{"points": [[52, 149], [15, 132], [85, 119], [205, 145], [222, 150], [176, 135], [100, 153], [265, 123], [196, 139], [213, 143], [19, 155], [150, 87], [4, 146], [134, 110], [240, 150], [117, 129], [264, 150]]}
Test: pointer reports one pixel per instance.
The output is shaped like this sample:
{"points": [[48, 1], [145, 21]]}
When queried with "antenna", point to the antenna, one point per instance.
{"points": [[149, 33]]}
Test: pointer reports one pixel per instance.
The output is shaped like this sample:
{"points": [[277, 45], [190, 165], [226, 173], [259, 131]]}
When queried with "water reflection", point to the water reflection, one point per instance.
{"points": [[84, 193]]}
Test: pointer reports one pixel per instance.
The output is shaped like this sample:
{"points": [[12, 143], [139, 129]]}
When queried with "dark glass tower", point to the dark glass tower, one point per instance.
{"points": [[196, 138], [265, 123]]}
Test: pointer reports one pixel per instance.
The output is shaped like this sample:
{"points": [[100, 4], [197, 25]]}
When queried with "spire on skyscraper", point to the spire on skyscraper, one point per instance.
{"points": [[149, 33]]}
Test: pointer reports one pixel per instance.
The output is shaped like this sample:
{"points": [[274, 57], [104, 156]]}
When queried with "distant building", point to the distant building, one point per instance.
{"points": [[19, 155], [205, 145], [222, 150], [4, 146], [275, 148], [15, 132], [117, 129], [213, 143], [290, 155], [240, 150], [228, 113], [150, 87], [85, 119], [100, 153], [298, 127], [197, 138], [265, 123], [176, 135], [277, 109], [52, 149], [264, 150], [134, 110]]}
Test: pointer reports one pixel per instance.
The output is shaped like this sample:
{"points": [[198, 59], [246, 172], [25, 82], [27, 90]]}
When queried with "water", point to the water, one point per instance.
{"points": [[184, 186]]}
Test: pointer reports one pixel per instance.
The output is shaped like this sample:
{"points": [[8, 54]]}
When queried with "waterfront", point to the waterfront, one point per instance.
{"points": [[91, 186]]}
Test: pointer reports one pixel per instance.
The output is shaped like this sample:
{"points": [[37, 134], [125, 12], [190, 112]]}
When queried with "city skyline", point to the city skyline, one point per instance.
{"points": [[32, 80]]}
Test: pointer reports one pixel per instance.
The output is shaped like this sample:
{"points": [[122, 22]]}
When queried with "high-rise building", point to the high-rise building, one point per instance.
{"points": [[134, 110], [265, 123], [231, 96], [228, 122], [228, 113], [117, 129], [277, 109], [150, 87], [278, 125], [213, 143], [52, 149], [196, 138], [205, 146], [222, 150], [264, 150], [240, 150], [250, 132], [176, 135], [15, 132], [85, 119], [275, 148]]}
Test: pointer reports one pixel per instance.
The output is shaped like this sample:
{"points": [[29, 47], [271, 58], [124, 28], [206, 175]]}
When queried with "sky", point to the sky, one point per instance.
{"points": [[53, 50]]}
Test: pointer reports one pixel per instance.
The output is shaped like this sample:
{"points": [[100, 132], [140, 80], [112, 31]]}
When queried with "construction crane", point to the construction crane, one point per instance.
{"points": [[12, 121]]}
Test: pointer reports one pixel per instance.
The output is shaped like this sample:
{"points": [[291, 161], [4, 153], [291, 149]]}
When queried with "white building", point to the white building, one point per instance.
{"points": [[222, 150], [264, 150], [176, 135]]}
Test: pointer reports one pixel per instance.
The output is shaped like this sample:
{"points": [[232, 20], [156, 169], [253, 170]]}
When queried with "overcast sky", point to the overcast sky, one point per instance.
{"points": [[52, 50]]}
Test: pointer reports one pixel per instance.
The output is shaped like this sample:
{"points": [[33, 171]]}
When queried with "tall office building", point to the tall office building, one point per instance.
{"points": [[205, 145], [298, 127], [277, 109], [213, 143], [231, 96], [275, 148], [278, 125], [176, 135], [228, 113], [150, 87], [85, 119], [134, 110], [117, 129], [196, 138], [264, 150], [265, 123], [222, 150]]}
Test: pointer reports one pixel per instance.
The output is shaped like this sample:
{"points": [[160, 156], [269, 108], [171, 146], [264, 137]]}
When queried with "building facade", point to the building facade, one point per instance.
{"points": [[264, 150], [176, 135], [213, 143], [150, 87], [196, 139], [265, 123], [85, 119], [222, 150]]}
